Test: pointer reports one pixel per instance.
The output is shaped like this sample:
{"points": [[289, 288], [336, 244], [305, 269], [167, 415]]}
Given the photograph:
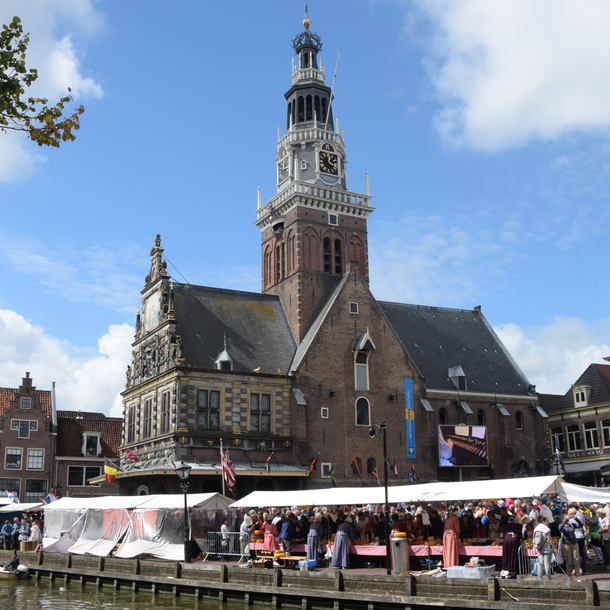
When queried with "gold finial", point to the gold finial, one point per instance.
{"points": [[306, 21]]}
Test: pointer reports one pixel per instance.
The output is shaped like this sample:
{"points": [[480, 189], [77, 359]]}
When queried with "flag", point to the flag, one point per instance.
{"points": [[11, 496], [412, 475], [558, 456], [228, 471], [312, 466], [51, 497], [130, 455], [355, 468], [110, 473], [332, 476], [394, 468], [375, 475], [268, 463]]}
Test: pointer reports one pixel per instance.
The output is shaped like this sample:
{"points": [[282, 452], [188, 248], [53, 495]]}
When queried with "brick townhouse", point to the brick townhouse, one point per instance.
{"points": [[304, 368], [44, 449]]}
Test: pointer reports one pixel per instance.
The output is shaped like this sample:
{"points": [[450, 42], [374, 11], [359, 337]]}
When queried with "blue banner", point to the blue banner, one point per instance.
{"points": [[410, 419]]}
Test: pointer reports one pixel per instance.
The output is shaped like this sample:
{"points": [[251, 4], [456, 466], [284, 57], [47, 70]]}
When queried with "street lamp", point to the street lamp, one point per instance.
{"points": [[372, 431], [183, 471]]}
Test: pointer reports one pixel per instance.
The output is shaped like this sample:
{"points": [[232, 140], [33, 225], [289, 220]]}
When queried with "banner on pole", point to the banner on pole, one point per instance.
{"points": [[410, 419]]}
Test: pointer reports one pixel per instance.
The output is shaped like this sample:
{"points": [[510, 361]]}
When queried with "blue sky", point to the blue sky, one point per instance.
{"points": [[483, 127]]}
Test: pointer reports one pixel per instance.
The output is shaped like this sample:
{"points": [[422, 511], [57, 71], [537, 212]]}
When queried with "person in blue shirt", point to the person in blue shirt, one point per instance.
{"points": [[7, 535], [287, 533]]}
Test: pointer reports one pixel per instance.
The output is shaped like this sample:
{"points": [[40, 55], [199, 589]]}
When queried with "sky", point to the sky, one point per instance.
{"points": [[484, 128]]}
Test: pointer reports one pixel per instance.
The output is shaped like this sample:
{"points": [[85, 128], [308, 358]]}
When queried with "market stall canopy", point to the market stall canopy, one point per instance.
{"points": [[209, 500], [24, 507], [428, 492], [579, 493]]}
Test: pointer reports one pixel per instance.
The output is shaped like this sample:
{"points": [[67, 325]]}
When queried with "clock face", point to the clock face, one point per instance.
{"points": [[329, 163], [283, 168]]}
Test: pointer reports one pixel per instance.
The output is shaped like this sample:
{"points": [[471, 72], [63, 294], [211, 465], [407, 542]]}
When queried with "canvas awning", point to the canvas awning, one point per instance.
{"points": [[24, 507], [428, 492], [587, 466], [580, 493]]}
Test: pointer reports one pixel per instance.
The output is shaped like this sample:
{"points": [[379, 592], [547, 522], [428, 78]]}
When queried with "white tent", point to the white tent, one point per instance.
{"points": [[23, 507], [147, 524], [428, 492], [579, 493]]}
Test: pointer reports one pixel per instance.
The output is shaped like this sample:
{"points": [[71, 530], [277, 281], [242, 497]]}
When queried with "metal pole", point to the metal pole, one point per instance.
{"points": [[387, 508], [187, 538]]}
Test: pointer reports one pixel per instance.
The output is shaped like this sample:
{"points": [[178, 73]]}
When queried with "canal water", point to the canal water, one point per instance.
{"points": [[38, 595]]}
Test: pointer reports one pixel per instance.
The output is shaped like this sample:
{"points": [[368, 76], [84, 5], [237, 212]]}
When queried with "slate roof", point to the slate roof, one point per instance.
{"points": [[598, 377], [549, 401], [7, 395], [438, 338], [72, 424], [257, 330]]}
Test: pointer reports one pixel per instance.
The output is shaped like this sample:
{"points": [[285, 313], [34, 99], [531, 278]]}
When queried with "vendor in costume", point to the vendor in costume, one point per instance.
{"points": [[314, 539], [510, 548], [451, 556], [341, 549], [271, 535]]}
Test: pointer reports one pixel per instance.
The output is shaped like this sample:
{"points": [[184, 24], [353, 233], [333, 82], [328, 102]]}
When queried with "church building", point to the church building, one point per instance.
{"points": [[290, 380]]}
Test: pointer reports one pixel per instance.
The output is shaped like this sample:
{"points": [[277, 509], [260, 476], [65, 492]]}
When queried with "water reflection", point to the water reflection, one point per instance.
{"points": [[44, 595]]}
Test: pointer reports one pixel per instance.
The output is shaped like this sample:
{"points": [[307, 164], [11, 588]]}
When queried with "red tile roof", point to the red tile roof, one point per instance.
{"points": [[72, 424], [604, 369], [7, 395]]}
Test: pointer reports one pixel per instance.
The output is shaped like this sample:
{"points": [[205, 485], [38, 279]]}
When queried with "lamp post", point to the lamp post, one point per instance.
{"points": [[183, 471], [372, 431]]}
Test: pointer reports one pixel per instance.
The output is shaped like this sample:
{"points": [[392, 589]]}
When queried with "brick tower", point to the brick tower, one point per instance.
{"points": [[313, 225]]}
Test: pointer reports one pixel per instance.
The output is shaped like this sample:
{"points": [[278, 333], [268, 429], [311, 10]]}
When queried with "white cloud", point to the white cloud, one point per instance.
{"points": [[553, 357], [85, 383], [510, 72], [110, 275], [53, 27]]}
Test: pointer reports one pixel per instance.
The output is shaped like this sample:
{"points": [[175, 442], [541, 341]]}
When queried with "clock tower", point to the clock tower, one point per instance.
{"points": [[314, 228]]}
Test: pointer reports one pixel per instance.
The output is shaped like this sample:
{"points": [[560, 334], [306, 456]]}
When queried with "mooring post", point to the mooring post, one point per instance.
{"points": [[411, 585], [177, 569], [277, 577], [136, 566], [591, 593], [224, 574], [338, 581], [493, 590]]}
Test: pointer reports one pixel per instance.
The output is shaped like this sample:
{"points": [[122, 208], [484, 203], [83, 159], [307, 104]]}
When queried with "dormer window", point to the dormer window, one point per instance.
{"points": [[458, 377], [582, 394], [26, 403], [224, 362], [92, 447]]}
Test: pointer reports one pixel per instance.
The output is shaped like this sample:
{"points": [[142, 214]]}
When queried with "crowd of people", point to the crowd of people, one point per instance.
{"points": [[19, 531], [570, 534]]}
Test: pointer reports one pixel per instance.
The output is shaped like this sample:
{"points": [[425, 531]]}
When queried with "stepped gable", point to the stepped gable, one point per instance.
{"points": [[598, 377], [439, 338], [8, 395], [255, 325], [72, 424]]}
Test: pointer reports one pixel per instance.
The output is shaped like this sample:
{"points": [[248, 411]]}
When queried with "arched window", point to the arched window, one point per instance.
{"points": [[338, 258], [519, 420], [288, 115], [371, 464], [301, 110], [309, 108], [442, 417], [278, 264], [324, 107], [480, 417], [327, 259], [574, 443], [363, 412], [317, 108], [591, 435], [558, 431]]}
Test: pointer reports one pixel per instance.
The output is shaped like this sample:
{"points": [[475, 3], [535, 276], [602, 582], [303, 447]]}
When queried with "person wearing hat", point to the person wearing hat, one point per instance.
{"points": [[314, 538], [510, 549], [342, 542], [451, 555]]}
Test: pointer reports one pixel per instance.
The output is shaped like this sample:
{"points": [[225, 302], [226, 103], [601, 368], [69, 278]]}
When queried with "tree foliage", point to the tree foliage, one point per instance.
{"points": [[45, 124]]}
